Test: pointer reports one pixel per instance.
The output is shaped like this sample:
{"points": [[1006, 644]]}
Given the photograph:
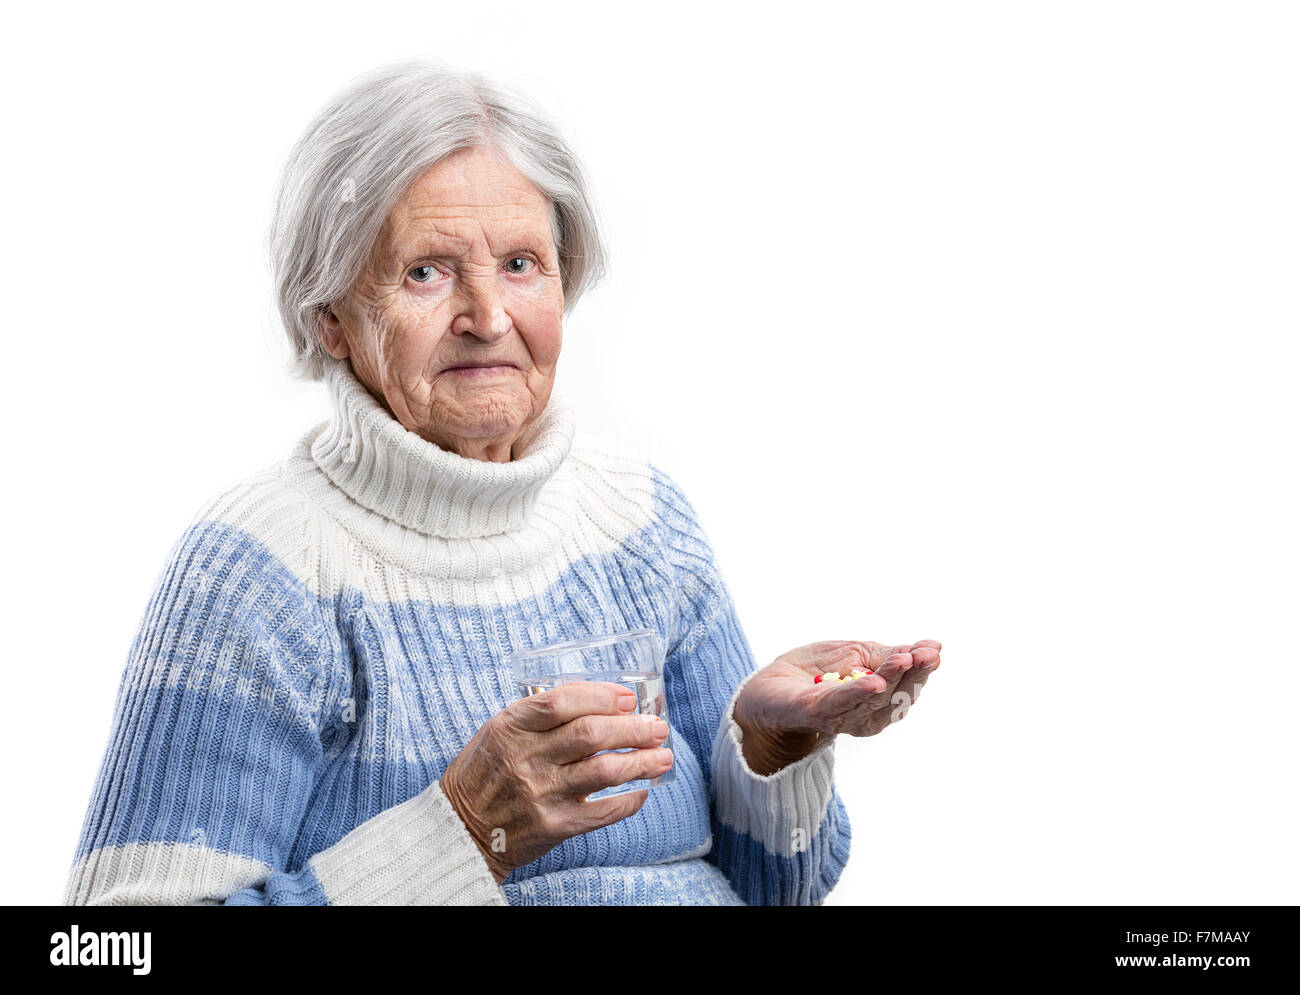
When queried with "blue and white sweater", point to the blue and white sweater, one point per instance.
{"points": [[329, 633]]}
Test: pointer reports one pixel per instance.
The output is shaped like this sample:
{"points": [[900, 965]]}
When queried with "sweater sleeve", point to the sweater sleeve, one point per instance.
{"points": [[780, 839], [215, 751]]}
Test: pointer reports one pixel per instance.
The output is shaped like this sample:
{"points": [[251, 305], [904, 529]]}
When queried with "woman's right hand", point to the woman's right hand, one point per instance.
{"points": [[520, 783]]}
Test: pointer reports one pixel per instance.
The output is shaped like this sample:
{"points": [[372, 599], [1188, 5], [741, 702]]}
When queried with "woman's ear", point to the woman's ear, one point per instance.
{"points": [[330, 331]]}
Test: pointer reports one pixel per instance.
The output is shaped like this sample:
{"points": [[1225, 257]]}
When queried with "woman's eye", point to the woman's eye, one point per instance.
{"points": [[422, 274], [518, 259]]}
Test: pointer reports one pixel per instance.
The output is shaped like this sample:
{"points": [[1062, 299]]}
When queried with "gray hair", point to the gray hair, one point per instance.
{"points": [[368, 144]]}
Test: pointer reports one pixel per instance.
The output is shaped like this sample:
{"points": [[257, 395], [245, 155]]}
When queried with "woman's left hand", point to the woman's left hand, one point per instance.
{"points": [[783, 714]]}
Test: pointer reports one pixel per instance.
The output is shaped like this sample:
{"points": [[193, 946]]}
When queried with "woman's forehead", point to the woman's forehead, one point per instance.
{"points": [[454, 205]]}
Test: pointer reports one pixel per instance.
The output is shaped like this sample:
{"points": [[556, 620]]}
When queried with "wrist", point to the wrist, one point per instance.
{"points": [[451, 790], [766, 750], [767, 753]]}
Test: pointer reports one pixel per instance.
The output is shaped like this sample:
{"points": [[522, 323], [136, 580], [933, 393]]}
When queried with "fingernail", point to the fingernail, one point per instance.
{"points": [[659, 728], [627, 702], [665, 757]]}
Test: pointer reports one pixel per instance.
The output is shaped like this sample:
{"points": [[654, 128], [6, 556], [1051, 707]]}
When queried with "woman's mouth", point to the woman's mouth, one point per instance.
{"points": [[478, 371]]}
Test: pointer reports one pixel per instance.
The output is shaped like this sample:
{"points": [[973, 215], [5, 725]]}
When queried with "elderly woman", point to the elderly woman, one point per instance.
{"points": [[317, 708]]}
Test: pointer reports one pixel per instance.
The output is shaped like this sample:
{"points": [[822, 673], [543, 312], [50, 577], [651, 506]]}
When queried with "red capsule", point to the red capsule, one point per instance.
{"points": [[817, 679]]}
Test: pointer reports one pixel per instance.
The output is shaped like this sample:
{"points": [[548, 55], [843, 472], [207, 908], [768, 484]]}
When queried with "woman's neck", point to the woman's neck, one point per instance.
{"points": [[399, 474]]}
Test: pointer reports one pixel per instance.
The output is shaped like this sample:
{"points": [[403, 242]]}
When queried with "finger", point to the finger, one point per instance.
{"points": [[589, 815], [608, 769], [588, 734], [925, 657], [845, 657], [845, 706], [930, 644], [833, 706], [881, 710], [838, 700], [877, 653], [874, 682], [841, 655], [868, 693], [910, 685], [895, 665], [830, 654], [565, 702]]}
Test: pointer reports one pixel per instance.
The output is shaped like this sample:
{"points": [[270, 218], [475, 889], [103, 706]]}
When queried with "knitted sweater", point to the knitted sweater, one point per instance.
{"points": [[329, 633]]}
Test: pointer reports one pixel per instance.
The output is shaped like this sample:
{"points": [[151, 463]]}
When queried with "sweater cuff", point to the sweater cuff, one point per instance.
{"points": [[415, 853], [783, 810]]}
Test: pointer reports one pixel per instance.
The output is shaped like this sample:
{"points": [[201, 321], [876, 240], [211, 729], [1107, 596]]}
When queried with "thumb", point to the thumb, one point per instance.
{"points": [[848, 660]]}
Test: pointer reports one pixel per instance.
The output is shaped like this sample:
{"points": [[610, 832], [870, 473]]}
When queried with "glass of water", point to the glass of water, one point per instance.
{"points": [[633, 659]]}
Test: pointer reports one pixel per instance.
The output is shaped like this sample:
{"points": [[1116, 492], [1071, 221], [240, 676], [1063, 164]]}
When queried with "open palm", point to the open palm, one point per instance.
{"points": [[782, 697]]}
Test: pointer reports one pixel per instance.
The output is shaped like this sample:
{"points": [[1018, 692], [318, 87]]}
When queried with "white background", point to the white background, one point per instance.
{"points": [[969, 322]]}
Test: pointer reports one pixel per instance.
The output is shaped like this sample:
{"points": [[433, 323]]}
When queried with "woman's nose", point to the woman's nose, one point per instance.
{"points": [[483, 313]]}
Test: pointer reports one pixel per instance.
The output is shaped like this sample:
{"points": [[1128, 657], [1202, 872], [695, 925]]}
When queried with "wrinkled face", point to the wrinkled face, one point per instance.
{"points": [[465, 272]]}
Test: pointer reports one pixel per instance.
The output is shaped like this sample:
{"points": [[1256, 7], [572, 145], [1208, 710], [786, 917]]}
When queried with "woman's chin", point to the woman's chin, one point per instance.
{"points": [[484, 414]]}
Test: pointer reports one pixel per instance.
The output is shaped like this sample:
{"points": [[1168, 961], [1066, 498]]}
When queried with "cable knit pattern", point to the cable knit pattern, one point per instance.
{"points": [[329, 633]]}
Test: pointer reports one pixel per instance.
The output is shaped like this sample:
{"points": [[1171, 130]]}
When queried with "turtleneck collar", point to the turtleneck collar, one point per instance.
{"points": [[396, 473]]}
